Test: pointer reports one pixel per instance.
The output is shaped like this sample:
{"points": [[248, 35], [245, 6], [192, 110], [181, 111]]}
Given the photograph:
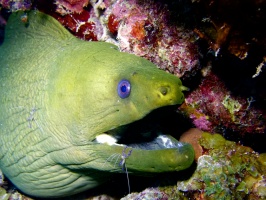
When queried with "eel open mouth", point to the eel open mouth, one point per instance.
{"points": [[152, 151], [160, 142], [162, 154]]}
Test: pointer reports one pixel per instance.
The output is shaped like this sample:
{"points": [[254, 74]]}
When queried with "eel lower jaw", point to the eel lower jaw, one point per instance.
{"points": [[160, 154]]}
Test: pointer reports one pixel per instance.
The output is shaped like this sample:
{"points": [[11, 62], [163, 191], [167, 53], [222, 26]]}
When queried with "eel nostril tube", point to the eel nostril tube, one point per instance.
{"points": [[164, 90]]}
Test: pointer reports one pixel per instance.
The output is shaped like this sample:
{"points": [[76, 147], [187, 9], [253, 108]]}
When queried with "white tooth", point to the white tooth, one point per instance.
{"points": [[104, 138], [166, 141]]}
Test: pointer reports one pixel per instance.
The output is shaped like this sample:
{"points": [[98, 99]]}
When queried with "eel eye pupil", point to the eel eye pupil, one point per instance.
{"points": [[123, 89]]}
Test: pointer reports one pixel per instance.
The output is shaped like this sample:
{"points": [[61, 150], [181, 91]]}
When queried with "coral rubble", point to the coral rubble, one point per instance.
{"points": [[148, 194]]}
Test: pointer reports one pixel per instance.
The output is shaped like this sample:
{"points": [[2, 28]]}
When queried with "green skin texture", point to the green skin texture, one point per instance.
{"points": [[57, 93]]}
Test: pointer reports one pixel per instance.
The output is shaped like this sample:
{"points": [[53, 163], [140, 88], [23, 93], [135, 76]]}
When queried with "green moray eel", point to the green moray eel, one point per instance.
{"points": [[60, 97]]}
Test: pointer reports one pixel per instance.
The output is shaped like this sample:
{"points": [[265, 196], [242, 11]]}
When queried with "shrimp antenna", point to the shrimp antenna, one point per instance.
{"points": [[124, 156]]}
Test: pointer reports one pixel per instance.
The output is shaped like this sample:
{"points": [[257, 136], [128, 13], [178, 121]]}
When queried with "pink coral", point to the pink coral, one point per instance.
{"points": [[16, 5], [212, 106], [80, 24], [70, 6], [144, 30], [201, 122]]}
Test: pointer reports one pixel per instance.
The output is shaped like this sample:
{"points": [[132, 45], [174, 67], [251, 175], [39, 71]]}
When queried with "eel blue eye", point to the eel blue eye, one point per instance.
{"points": [[123, 89]]}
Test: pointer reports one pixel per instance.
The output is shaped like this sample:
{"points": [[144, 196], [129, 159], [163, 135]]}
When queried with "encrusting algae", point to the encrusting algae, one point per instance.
{"points": [[227, 170]]}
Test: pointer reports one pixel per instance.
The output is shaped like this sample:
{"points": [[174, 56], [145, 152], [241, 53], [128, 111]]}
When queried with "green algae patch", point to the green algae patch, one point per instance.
{"points": [[262, 159], [226, 171], [231, 105], [214, 141]]}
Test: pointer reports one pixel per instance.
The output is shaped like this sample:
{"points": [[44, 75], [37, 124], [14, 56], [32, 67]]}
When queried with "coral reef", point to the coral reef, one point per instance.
{"points": [[231, 97], [212, 107], [143, 28], [227, 170], [70, 6], [83, 25], [147, 194], [234, 26], [16, 5]]}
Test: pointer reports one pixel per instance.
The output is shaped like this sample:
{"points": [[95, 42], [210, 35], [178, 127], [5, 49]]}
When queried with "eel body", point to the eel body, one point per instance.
{"points": [[59, 95]]}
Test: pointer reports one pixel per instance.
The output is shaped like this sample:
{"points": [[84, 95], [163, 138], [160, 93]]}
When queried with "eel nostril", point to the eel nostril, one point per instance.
{"points": [[164, 90]]}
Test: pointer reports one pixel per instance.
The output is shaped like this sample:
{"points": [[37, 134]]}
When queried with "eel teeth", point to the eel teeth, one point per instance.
{"points": [[160, 142], [106, 139]]}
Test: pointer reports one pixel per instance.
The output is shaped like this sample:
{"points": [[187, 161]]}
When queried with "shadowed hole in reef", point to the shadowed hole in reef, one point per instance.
{"points": [[254, 140], [3, 17]]}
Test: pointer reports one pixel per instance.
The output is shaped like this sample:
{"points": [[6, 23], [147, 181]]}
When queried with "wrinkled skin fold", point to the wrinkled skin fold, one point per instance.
{"points": [[58, 94]]}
